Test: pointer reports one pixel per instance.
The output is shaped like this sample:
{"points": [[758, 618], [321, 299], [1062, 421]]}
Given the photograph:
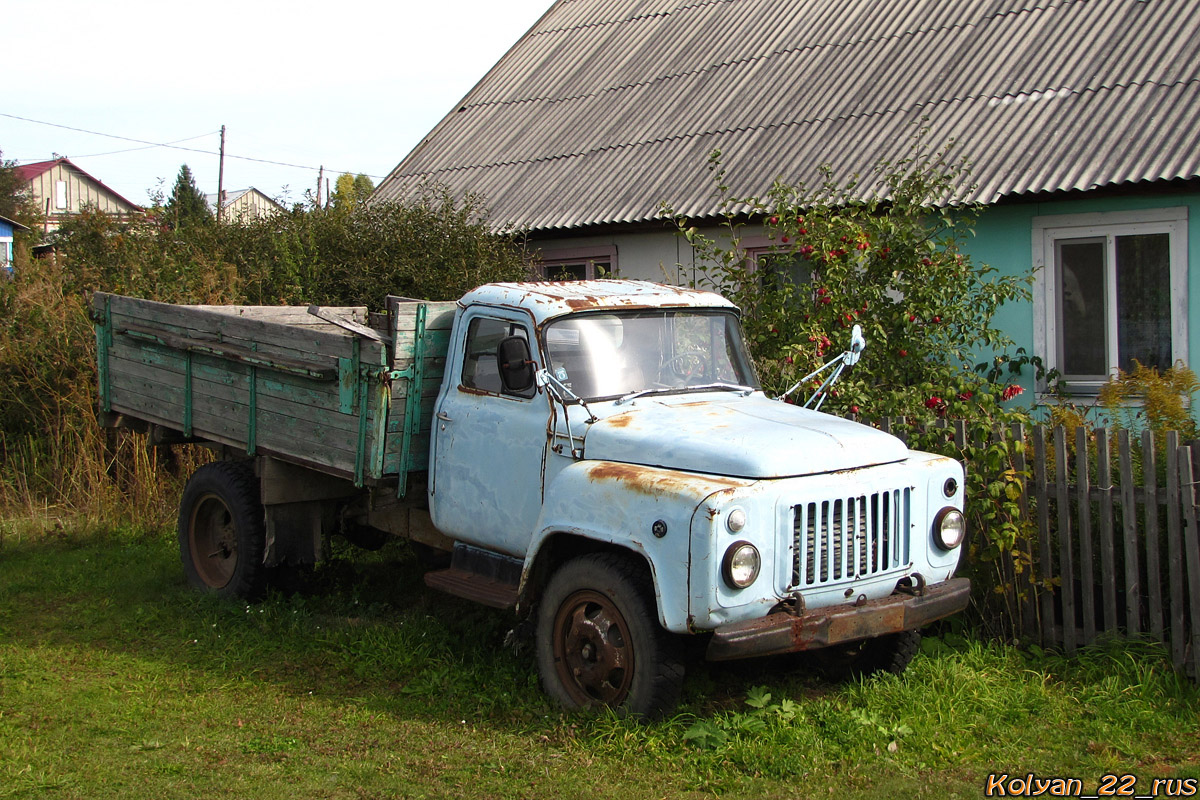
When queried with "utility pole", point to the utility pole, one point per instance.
{"points": [[320, 180], [221, 177]]}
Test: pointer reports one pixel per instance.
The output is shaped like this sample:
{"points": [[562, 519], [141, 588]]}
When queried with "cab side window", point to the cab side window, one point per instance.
{"points": [[481, 370]]}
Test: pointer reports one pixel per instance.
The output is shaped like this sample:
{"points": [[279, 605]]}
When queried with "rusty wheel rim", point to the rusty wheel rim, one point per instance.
{"points": [[213, 541], [593, 650]]}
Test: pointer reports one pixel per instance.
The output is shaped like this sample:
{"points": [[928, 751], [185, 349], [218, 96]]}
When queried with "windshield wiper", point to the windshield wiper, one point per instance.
{"points": [[745, 391]]}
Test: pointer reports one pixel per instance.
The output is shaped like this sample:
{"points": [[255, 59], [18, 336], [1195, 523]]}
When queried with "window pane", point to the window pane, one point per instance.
{"points": [[609, 355], [1082, 316], [1144, 300], [785, 269], [480, 370]]}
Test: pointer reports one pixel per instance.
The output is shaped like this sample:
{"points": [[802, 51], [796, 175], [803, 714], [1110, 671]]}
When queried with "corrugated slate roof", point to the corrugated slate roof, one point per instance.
{"points": [[606, 108]]}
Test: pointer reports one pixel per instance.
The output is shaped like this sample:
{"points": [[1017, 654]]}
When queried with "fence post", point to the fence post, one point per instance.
{"points": [[1087, 561], [1191, 551], [1029, 621], [1066, 561], [1108, 560], [1153, 563], [1175, 549], [1133, 582], [1050, 635]]}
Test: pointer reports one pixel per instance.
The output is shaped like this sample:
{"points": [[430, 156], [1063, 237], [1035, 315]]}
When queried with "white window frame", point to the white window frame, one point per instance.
{"points": [[1108, 225]]}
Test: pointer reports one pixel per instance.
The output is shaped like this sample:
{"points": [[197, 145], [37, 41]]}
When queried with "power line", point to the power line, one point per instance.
{"points": [[173, 146], [145, 147]]}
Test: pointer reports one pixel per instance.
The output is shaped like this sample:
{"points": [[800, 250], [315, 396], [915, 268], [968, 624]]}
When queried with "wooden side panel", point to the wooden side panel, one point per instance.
{"points": [[437, 324], [262, 379]]}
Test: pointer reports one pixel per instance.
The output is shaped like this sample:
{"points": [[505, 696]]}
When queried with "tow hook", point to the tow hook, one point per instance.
{"points": [[912, 585]]}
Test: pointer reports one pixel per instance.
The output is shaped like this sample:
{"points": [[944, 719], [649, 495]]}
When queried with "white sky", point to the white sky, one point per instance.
{"points": [[352, 85]]}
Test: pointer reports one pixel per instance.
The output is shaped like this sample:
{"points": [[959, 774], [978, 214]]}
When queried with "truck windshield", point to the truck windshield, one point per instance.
{"points": [[605, 355]]}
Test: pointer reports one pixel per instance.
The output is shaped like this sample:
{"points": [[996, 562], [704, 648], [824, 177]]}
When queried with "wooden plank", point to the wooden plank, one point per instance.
{"points": [[1175, 567], [1050, 635], [289, 315], [439, 314], [1153, 563], [1129, 516], [321, 368], [418, 454], [270, 337], [437, 343], [1066, 562], [1108, 559], [1087, 561], [1029, 603], [222, 407], [230, 421], [210, 380], [1191, 551]]}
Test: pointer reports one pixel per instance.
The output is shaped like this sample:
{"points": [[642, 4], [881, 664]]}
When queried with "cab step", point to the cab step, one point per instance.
{"points": [[484, 577]]}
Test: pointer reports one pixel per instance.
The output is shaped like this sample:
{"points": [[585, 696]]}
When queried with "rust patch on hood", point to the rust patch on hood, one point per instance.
{"points": [[656, 482]]}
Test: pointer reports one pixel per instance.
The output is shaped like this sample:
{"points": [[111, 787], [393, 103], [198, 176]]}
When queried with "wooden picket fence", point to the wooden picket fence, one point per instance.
{"points": [[1116, 550]]}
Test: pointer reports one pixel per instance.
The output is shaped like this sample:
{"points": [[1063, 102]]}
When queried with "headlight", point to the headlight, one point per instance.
{"points": [[949, 528], [740, 565], [736, 520]]}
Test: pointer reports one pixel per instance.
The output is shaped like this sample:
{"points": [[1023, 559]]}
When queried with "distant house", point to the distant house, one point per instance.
{"points": [[244, 204], [62, 189], [1080, 120], [7, 228]]}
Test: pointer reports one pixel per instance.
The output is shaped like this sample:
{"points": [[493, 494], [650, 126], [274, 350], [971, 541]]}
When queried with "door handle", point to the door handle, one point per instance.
{"points": [[444, 417]]}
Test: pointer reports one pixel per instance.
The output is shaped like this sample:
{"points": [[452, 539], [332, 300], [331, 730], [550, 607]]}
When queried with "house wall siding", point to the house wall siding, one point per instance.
{"points": [[1004, 240], [1005, 237], [81, 192]]}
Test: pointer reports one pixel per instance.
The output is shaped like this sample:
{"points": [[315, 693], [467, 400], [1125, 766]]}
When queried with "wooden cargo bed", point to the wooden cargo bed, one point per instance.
{"points": [[339, 396]]}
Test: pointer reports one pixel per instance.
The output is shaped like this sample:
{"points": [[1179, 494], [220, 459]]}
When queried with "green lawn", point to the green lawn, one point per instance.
{"points": [[116, 680]]}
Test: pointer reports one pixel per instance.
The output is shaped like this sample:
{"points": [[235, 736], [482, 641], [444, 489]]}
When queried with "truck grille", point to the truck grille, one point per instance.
{"points": [[850, 538]]}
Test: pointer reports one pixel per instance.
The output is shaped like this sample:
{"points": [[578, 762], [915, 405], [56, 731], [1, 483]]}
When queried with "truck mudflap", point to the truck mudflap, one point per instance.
{"points": [[822, 627]]}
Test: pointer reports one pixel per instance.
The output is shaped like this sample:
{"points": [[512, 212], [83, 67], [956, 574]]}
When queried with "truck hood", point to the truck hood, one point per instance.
{"points": [[744, 437]]}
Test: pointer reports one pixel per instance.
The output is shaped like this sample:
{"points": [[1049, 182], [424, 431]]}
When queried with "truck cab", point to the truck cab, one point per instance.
{"points": [[621, 423]]}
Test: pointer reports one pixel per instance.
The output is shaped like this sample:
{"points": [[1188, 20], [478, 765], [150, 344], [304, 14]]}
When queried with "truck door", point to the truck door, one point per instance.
{"points": [[489, 443]]}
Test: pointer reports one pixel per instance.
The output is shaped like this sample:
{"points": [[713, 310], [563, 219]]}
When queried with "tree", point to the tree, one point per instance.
{"points": [[186, 206], [897, 268], [15, 201], [351, 189]]}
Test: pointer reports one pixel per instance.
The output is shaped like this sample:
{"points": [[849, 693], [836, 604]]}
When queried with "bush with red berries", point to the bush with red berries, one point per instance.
{"points": [[895, 265]]}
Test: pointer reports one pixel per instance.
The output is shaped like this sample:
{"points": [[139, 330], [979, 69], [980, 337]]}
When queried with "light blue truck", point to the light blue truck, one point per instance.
{"points": [[595, 456]]}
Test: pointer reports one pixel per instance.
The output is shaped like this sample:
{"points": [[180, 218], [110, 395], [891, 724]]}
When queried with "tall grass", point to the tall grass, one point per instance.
{"points": [[55, 460]]}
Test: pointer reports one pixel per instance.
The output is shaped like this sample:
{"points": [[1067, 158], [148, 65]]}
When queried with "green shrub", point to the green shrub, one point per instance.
{"points": [[54, 453], [897, 268]]}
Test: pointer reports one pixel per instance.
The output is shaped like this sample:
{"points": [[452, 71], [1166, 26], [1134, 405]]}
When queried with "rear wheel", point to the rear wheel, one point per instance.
{"points": [[599, 642], [221, 532]]}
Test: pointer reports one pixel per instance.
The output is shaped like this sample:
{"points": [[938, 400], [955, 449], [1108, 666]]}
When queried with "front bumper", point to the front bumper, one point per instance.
{"points": [[822, 627]]}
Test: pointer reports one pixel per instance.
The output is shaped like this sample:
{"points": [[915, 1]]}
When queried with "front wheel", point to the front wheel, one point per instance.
{"points": [[890, 653], [599, 642], [221, 533]]}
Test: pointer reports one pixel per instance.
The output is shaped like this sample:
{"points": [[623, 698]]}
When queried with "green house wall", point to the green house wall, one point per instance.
{"points": [[1004, 240]]}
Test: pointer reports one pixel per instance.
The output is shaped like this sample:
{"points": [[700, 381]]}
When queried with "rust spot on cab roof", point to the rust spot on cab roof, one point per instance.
{"points": [[654, 481], [619, 420]]}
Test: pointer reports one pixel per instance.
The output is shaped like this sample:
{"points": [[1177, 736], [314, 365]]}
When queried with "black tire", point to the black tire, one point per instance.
{"points": [[599, 642], [221, 534], [891, 653]]}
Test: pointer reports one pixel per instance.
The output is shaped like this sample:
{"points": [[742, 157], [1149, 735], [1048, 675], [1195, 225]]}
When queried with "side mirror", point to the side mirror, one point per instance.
{"points": [[516, 365]]}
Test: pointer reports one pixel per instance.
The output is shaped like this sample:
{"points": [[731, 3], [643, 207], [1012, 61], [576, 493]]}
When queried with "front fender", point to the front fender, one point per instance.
{"points": [[647, 510]]}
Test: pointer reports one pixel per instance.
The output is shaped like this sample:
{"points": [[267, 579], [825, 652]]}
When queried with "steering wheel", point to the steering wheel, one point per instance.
{"points": [[682, 368]]}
